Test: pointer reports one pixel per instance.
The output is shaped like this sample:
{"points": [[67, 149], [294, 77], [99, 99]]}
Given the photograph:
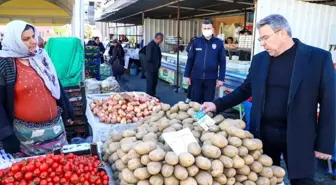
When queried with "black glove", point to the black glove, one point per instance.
{"points": [[11, 144]]}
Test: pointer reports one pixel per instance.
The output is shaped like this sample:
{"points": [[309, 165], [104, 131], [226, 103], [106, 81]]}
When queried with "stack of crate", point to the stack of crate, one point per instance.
{"points": [[79, 128]]}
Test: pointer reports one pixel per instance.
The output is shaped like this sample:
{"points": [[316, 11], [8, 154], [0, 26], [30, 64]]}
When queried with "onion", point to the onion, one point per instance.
{"points": [[146, 113], [137, 109], [139, 114], [150, 107], [124, 107], [118, 119], [100, 114], [130, 108], [102, 119], [92, 105], [95, 111], [123, 121], [135, 119], [117, 107], [113, 120], [128, 121]]}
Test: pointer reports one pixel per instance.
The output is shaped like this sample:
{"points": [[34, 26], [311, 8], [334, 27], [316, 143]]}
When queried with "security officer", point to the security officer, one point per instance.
{"points": [[206, 55]]}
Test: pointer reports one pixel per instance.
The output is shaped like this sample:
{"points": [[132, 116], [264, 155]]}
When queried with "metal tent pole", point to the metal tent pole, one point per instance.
{"points": [[178, 49]]}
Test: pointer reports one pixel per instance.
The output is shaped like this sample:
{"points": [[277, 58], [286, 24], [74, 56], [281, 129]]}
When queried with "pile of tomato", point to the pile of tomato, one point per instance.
{"points": [[55, 170]]}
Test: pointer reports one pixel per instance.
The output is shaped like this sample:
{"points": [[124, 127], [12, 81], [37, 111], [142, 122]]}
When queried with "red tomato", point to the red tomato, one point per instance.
{"points": [[93, 179], [18, 176], [24, 169], [49, 161], [44, 167], [15, 168], [56, 179], [28, 176], [86, 168], [43, 182], [63, 180], [106, 177], [98, 182], [30, 167], [56, 158], [67, 175], [74, 178], [54, 166], [49, 179], [44, 175], [37, 180], [86, 183], [37, 172], [105, 182]]}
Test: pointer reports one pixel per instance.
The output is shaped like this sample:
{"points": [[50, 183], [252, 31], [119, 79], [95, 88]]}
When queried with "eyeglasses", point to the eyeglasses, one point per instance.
{"points": [[264, 38]]}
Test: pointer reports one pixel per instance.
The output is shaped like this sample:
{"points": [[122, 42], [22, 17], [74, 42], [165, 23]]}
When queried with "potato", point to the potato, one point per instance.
{"points": [[227, 162], [219, 140], [150, 137], [204, 178], [145, 159], [278, 171], [120, 165], [244, 170], [152, 129], [127, 176], [133, 154], [255, 154], [259, 143], [165, 107], [154, 167], [221, 179], [218, 119], [253, 177], [188, 121], [156, 179], [157, 155], [273, 181], [189, 181], [129, 133], [248, 135], [174, 109], [227, 123], [217, 168], [230, 151], [238, 162], [229, 172], [250, 144], [171, 158], [207, 136], [169, 129], [183, 107], [124, 159], [194, 149], [196, 106], [225, 134], [167, 170], [163, 125], [267, 172], [211, 151], [182, 115], [231, 181], [141, 173], [263, 181], [240, 178], [180, 172], [143, 148], [214, 128], [256, 167], [280, 180], [248, 182], [186, 159], [237, 183], [191, 112], [144, 182], [114, 146], [192, 170], [177, 126], [133, 164], [166, 147], [203, 163], [235, 141], [242, 151], [172, 180], [116, 137], [114, 156], [265, 160], [126, 147], [234, 131], [207, 142]]}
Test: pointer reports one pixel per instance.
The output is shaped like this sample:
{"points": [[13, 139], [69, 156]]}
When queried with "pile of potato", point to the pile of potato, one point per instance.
{"points": [[225, 154]]}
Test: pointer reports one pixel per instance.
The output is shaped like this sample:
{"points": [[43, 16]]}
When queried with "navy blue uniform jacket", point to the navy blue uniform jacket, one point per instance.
{"points": [[204, 58], [313, 82]]}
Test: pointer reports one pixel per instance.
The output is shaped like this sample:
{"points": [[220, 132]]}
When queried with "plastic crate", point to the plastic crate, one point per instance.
{"points": [[76, 131]]}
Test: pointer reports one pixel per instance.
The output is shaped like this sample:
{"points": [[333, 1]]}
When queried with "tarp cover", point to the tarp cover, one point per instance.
{"points": [[67, 54]]}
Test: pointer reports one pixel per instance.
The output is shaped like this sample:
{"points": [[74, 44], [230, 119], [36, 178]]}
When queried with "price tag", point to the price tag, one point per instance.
{"points": [[179, 141], [204, 120]]}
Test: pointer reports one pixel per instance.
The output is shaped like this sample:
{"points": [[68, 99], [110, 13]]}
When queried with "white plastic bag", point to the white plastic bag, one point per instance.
{"points": [[92, 86], [221, 32], [110, 85]]}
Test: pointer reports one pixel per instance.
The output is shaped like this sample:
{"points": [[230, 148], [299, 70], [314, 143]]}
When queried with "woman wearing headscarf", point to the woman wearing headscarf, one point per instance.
{"points": [[33, 104], [117, 56]]}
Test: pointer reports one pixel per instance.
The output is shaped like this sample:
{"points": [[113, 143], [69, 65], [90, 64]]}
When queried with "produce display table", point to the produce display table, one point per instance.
{"points": [[102, 131]]}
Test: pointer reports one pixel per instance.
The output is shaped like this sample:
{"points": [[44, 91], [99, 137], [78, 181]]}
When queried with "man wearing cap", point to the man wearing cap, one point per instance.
{"points": [[153, 63], [206, 55]]}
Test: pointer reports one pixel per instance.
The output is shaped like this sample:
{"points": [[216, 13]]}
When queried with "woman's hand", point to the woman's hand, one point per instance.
{"points": [[70, 121]]}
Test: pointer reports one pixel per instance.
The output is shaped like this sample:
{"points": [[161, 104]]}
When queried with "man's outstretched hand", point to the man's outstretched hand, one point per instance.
{"points": [[322, 156], [208, 107]]}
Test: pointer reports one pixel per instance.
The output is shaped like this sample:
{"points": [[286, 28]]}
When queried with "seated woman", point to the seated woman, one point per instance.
{"points": [[33, 104]]}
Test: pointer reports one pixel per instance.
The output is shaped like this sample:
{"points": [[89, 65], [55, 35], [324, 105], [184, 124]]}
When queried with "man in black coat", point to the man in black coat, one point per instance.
{"points": [[287, 82], [153, 63]]}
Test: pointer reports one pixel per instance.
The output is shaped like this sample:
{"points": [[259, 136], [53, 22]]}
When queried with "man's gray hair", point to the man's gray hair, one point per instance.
{"points": [[276, 22]]}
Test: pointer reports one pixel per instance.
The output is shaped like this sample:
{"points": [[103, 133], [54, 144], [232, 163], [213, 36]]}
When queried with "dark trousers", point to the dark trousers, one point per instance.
{"points": [[152, 80], [142, 61], [274, 138], [203, 90], [189, 91]]}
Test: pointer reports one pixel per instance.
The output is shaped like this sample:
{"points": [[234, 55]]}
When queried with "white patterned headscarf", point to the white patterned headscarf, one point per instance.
{"points": [[13, 47]]}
